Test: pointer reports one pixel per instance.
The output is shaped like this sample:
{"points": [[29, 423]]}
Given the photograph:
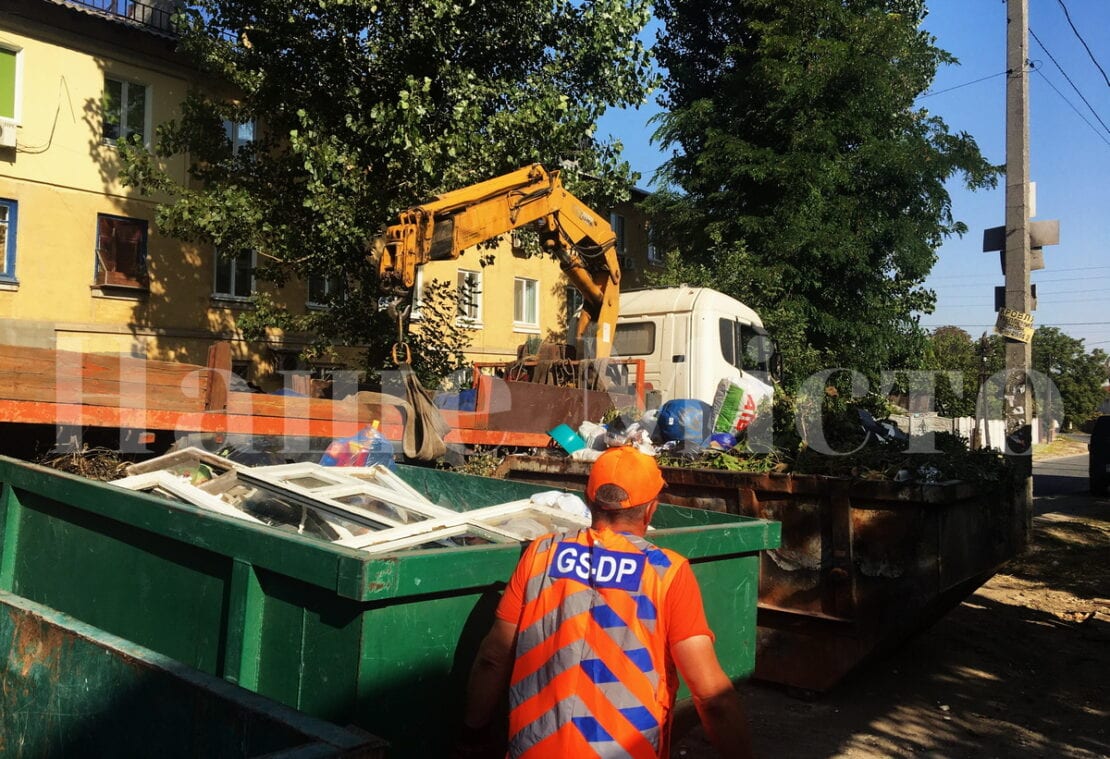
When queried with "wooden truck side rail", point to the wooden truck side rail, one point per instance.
{"points": [[41, 386]]}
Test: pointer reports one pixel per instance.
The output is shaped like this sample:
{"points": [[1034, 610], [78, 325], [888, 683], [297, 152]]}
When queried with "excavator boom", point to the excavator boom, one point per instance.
{"points": [[578, 237]]}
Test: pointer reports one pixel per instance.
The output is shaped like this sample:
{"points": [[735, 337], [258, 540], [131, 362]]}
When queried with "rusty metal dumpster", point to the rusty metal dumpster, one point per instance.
{"points": [[70, 689], [382, 642], [863, 564]]}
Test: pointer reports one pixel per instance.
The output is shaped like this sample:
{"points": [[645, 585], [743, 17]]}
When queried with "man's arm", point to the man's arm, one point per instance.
{"points": [[490, 675], [718, 704]]}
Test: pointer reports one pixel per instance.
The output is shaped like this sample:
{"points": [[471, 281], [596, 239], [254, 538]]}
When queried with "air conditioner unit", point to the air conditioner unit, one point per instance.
{"points": [[7, 134]]}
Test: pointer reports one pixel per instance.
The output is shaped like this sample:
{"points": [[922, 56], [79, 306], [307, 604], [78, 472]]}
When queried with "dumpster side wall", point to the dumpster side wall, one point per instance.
{"points": [[383, 642], [73, 690]]}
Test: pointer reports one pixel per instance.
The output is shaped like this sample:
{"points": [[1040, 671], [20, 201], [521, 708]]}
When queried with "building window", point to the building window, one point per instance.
{"points": [[239, 135], [321, 290], [470, 297], [121, 251], [124, 110], [234, 276], [8, 213], [573, 302], [526, 297], [653, 254], [415, 313], [242, 369], [10, 81], [616, 221]]}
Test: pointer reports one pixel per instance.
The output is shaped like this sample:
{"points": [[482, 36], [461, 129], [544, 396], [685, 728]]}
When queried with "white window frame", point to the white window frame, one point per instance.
{"points": [[472, 319], [17, 104], [125, 88], [653, 255], [333, 493], [332, 285], [617, 222], [415, 314], [232, 131], [573, 300], [220, 261], [522, 286], [7, 253]]}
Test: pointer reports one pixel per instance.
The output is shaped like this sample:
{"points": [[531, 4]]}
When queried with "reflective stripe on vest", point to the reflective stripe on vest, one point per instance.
{"points": [[590, 673]]}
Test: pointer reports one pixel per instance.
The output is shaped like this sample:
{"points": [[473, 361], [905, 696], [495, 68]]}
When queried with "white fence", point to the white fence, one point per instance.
{"points": [[992, 431]]}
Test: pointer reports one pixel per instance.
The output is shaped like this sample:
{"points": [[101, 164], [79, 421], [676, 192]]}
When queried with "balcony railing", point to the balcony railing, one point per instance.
{"points": [[156, 14]]}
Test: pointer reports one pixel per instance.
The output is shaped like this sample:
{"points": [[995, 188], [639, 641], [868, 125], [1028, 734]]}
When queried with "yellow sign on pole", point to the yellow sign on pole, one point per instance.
{"points": [[1014, 325]]}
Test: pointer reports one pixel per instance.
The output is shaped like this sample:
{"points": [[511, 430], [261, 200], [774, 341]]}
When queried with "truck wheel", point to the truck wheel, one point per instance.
{"points": [[1098, 485]]}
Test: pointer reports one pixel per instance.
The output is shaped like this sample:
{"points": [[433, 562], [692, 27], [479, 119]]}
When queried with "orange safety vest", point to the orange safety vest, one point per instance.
{"points": [[592, 676]]}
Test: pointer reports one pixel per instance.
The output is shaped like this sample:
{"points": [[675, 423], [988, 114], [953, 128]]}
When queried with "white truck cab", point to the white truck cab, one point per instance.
{"points": [[693, 337]]}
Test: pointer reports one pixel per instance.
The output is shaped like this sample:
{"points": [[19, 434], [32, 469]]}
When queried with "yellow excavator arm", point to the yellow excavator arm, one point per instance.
{"points": [[578, 237]]}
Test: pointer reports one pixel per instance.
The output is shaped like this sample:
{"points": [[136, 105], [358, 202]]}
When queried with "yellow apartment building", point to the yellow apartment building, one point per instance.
{"points": [[82, 264]]}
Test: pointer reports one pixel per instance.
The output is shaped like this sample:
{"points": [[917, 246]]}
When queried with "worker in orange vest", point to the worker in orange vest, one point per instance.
{"points": [[590, 630]]}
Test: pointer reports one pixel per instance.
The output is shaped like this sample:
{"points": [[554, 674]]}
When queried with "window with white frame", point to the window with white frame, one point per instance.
{"points": [[239, 134], [469, 291], [616, 221], [10, 83], [8, 213], [573, 302], [234, 276], [322, 289], [526, 303], [121, 251], [654, 256], [415, 313], [124, 109]]}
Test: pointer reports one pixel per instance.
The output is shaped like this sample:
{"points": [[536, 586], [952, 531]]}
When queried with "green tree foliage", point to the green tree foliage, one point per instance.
{"points": [[951, 349], [1077, 374], [438, 343], [803, 175], [362, 108]]}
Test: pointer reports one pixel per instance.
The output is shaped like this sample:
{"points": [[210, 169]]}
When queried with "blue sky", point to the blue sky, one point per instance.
{"points": [[1069, 159]]}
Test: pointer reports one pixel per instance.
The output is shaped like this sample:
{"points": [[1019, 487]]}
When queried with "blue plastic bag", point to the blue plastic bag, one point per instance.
{"points": [[686, 419]]}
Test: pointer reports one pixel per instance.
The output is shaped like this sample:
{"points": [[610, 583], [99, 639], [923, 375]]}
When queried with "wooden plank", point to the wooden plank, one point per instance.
{"points": [[97, 393], [219, 374], [94, 361]]}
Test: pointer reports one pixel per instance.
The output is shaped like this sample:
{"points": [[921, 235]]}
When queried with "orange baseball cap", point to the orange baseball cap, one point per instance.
{"points": [[634, 472]]}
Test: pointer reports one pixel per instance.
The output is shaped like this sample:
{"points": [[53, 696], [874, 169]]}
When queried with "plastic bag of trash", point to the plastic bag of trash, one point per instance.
{"points": [[734, 407], [686, 419], [594, 434], [721, 441], [557, 499], [366, 448]]}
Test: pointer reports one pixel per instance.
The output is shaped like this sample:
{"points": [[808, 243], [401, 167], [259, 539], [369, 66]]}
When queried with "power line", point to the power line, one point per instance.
{"points": [[987, 280], [1072, 106], [1086, 47], [1054, 270], [1054, 324], [1073, 85], [930, 93]]}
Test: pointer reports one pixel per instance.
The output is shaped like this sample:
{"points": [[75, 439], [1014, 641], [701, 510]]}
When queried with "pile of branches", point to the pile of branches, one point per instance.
{"points": [[866, 450], [101, 464]]}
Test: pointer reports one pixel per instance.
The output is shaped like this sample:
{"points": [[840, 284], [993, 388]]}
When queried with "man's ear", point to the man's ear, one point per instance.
{"points": [[649, 512]]}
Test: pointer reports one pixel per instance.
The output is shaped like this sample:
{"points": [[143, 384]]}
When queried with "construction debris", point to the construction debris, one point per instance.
{"points": [[370, 509]]}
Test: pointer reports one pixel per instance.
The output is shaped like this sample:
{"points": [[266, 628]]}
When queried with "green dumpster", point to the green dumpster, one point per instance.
{"points": [[382, 642], [73, 690]]}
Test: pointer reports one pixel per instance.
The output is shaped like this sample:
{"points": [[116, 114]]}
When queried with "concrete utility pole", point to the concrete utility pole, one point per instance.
{"points": [[1019, 300]]}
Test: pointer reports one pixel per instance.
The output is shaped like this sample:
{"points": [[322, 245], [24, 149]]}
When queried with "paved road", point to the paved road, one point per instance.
{"points": [[1060, 487]]}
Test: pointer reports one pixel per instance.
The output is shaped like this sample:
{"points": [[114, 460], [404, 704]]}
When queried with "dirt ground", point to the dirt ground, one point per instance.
{"points": [[1020, 669]]}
